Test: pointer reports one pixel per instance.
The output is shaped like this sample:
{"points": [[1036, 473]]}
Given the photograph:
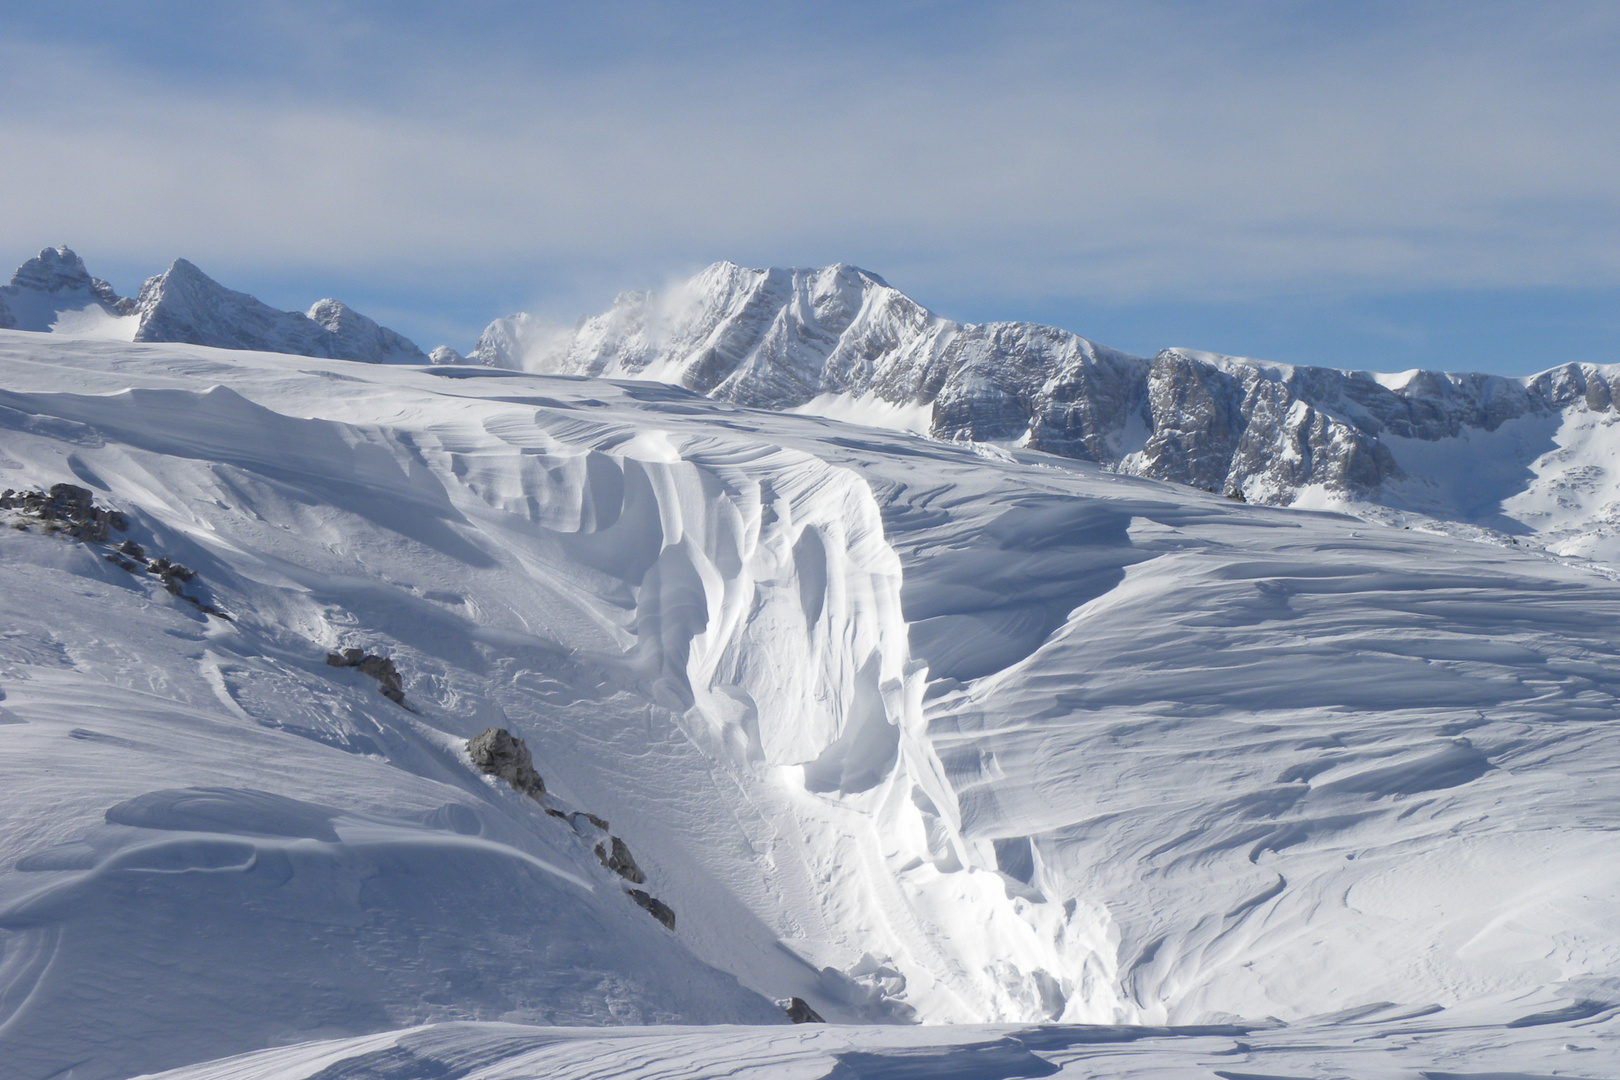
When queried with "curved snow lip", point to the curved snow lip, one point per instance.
{"points": [[1452, 765], [226, 810], [1585, 1009]]}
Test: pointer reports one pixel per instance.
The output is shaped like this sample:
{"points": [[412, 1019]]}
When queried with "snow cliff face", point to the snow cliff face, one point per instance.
{"points": [[53, 292], [841, 342]]}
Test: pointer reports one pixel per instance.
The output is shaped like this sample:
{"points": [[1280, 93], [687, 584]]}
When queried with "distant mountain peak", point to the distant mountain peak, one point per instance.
{"points": [[59, 269], [183, 304]]}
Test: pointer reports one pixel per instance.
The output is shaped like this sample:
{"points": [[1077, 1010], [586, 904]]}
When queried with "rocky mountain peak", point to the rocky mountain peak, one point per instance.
{"points": [[185, 304], [54, 292], [53, 270], [51, 283], [355, 337]]}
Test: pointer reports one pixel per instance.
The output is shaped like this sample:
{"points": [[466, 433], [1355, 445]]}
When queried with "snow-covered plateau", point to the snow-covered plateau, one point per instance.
{"points": [[1005, 763]]}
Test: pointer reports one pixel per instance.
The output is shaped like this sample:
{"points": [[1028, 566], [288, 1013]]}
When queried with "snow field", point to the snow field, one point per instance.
{"points": [[907, 730]]}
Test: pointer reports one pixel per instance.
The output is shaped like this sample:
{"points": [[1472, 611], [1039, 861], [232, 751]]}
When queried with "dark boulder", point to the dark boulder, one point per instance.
{"points": [[799, 1011], [498, 752], [617, 858], [381, 668], [654, 907]]}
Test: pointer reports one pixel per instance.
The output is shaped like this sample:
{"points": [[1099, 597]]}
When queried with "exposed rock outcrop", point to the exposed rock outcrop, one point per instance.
{"points": [[70, 510], [799, 1011], [381, 668], [498, 752], [654, 907], [615, 855]]}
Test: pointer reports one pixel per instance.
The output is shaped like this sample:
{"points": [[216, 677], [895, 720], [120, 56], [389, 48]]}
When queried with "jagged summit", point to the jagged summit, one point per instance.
{"points": [[185, 304], [55, 282], [53, 292], [359, 338], [58, 270]]}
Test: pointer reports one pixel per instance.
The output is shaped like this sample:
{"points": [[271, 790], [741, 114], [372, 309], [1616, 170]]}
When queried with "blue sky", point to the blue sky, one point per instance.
{"points": [[1360, 184]]}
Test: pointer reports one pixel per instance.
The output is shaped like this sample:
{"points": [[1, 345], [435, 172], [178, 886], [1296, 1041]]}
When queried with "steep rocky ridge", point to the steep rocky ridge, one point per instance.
{"points": [[841, 341], [184, 304]]}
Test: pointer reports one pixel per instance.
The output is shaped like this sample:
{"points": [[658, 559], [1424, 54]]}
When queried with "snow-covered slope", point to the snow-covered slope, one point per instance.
{"points": [[53, 292], [1521, 456], [909, 729]]}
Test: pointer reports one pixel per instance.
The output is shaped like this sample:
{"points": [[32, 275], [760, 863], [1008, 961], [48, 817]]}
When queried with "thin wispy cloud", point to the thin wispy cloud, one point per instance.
{"points": [[985, 153]]}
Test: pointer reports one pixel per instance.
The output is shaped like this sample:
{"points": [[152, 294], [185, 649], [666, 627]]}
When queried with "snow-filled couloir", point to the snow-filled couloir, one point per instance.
{"points": [[908, 729]]}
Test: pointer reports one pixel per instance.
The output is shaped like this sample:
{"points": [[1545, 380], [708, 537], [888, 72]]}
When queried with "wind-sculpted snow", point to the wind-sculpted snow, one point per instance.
{"points": [[1375, 1043], [841, 342], [908, 729]]}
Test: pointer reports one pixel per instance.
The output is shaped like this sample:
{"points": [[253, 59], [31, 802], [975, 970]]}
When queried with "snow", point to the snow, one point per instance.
{"points": [[95, 322], [1082, 772], [1378, 1043], [1520, 459], [872, 411]]}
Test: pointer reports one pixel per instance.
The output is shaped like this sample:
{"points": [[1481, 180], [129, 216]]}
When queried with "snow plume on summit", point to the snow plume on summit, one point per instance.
{"points": [[768, 338], [1518, 456], [53, 292]]}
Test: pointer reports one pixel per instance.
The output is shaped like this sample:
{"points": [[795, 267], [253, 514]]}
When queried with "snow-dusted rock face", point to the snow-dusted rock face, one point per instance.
{"points": [[842, 342], [355, 337], [183, 304], [54, 285], [53, 292], [59, 270]]}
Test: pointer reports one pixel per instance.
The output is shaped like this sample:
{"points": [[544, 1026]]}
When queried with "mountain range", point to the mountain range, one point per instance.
{"points": [[54, 292], [1521, 459]]}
